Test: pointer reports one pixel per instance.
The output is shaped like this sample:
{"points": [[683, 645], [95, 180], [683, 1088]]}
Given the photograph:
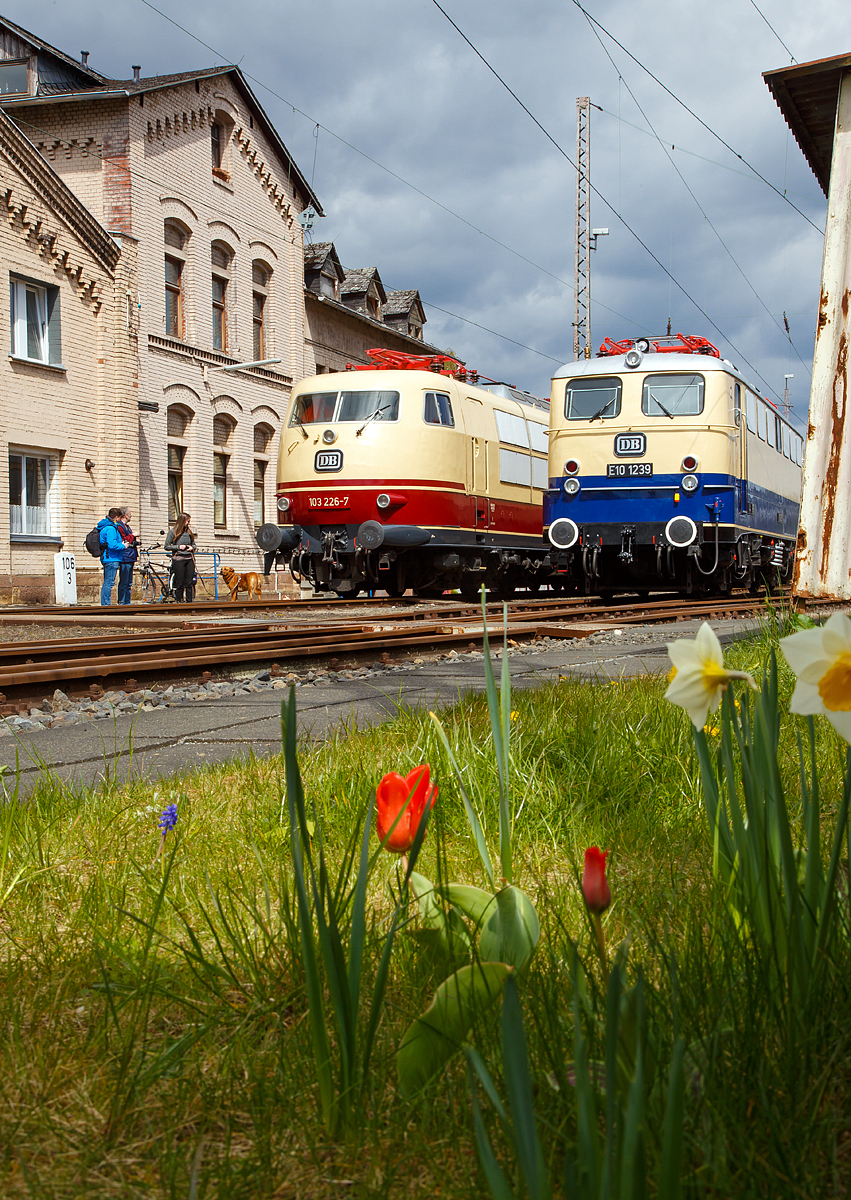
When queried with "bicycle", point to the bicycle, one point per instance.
{"points": [[153, 575]]}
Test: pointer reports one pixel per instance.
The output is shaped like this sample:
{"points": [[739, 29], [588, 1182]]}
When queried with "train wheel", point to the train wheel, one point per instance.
{"points": [[352, 595], [434, 592], [396, 585]]}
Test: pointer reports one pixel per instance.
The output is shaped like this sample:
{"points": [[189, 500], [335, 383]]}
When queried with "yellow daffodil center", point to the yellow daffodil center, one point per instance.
{"points": [[834, 687], [714, 676]]}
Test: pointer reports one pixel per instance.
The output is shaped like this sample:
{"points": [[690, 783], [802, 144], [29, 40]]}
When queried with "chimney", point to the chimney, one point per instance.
{"points": [[136, 71], [84, 57]]}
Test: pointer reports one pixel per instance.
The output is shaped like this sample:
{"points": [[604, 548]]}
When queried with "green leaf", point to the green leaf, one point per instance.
{"points": [[672, 1138], [471, 901], [433, 1038], [518, 1082], [511, 929], [431, 913], [472, 819], [497, 1182]]}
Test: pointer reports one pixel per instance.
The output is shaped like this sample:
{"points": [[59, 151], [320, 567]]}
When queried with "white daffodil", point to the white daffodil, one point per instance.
{"points": [[699, 676], [821, 659]]}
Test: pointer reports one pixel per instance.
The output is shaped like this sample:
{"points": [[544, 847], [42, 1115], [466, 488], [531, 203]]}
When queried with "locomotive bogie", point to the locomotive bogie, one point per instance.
{"points": [[667, 469], [397, 479]]}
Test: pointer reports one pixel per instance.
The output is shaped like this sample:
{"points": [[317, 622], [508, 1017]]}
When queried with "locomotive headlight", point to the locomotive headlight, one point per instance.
{"points": [[329, 437], [689, 483], [383, 500], [571, 467], [283, 503], [571, 486]]}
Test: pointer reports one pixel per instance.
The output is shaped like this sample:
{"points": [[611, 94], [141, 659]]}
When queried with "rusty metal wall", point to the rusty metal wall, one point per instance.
{"points": [[823, 566]]}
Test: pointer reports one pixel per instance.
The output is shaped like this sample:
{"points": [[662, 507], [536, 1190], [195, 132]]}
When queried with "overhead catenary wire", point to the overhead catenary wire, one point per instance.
{"points": [[690, 191], [699, 120], [774, 31], [600, 195]]}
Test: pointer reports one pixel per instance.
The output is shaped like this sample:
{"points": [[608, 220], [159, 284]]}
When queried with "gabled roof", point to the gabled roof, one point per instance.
{"points": [[807, 95], [319, 255], [38, 44], [55, 193], [93, 86], [358, 279], [400, 303]]}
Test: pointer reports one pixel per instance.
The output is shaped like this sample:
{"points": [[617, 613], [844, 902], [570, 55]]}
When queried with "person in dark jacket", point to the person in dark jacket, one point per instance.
{"points": [[112, 552], [125, 567], [181, 542]]}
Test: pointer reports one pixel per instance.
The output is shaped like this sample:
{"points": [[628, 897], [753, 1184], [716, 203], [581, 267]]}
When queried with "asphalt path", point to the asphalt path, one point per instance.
{"points": [[157, 744]]}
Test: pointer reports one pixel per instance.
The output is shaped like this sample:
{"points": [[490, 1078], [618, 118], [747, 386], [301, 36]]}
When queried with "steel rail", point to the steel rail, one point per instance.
{"points": [[132, 655]]}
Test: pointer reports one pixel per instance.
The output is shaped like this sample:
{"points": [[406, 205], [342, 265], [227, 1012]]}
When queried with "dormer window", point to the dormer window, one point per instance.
{"points": [[373, 306], [14, 78], [328, 286]]}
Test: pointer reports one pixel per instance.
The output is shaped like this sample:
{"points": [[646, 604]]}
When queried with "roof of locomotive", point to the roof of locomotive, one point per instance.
{"points": [[366, 380], [615, 364]]}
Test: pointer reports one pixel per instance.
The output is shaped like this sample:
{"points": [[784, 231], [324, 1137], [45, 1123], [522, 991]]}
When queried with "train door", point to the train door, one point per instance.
{"points": [[741, 457], [476, 421]]}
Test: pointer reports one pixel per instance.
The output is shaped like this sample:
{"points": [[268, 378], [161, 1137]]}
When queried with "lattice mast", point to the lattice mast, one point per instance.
{"points": [[582, 266]]}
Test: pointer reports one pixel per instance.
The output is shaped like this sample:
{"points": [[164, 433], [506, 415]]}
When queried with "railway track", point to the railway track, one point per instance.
{"points": [[36, 664]]}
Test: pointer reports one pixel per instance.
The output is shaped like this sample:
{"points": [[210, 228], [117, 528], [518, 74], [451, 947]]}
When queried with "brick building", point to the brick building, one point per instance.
{"points": [[199, 266], [68, 420]]}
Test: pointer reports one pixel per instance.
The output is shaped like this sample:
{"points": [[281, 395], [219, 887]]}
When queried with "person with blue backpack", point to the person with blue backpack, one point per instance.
{"points": [[112, 552]]}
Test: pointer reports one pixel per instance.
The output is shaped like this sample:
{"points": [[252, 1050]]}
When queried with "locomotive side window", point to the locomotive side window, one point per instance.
{"points": [[313, 407], [437, 410], [368, 406], [672, 396], [786, 442], [750, 409], [588, 399], [760, 425]]}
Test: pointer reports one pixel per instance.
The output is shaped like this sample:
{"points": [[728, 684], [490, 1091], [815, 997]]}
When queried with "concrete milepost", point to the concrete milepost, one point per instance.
{"points": [[813, 98], [65, 578]]}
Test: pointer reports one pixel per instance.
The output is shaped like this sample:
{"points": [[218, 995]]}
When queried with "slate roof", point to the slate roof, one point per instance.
{"points": [[358, 279], [39, 44], [316, 255], [400, 303]]}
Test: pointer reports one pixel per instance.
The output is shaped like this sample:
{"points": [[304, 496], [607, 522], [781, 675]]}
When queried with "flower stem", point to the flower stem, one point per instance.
{"points": [[601, 948]]}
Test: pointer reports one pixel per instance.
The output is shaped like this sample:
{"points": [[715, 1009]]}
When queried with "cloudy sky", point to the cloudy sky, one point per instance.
{"points": [[428, 168]]}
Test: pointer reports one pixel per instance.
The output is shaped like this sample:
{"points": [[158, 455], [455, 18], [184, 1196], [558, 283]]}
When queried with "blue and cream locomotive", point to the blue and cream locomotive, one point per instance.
{"points": [[667, 469]]}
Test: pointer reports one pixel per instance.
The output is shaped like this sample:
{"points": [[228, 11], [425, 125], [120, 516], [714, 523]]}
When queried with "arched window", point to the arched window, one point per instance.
{"points": [[261, 275], [177, 427], [263, 435], [221, 257], [176, 237], [223, 427], [221, 129]]}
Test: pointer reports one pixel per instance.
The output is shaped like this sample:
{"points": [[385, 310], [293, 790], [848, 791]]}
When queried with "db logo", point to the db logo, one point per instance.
{"points": [[328, 460], [630, 445]]}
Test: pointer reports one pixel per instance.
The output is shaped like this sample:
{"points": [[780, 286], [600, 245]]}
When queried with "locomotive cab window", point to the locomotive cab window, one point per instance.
{"points": [[326, 407], [588, 399], [672, 396], [437, 409]]}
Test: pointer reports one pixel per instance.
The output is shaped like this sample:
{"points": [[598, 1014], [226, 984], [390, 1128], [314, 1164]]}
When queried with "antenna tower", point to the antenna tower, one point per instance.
{"points": [[582, 269]]}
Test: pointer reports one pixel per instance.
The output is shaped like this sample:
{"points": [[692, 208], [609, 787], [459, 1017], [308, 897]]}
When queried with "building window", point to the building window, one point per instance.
{"points": [[220, 490], [259, 503], [221, 258], [173, 297], [217, 144], [373, 307], [35, 321], [29, 495], [14, 79], [175, 482], [260, 275], [222, 429], [328, 286]]}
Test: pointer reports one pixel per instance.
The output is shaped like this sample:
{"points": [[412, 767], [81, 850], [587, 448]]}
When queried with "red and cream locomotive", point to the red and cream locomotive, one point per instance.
{"points": [[411, 473]]}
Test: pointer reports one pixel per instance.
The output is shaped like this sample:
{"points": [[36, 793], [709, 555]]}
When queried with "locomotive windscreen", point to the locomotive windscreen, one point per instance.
{"points": [[326, 407], [672, 396], [587, 399]]}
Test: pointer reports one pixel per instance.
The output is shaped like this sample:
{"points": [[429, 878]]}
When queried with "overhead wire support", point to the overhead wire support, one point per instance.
{"points": [[582, 259]]}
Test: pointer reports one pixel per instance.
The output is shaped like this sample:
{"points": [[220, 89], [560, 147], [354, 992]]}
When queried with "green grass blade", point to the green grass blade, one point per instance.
{"points": [[356, 937], [672, 1134], [499, 747], [613, 1011], [497, 1183], [518, 1082], [472, 818]]}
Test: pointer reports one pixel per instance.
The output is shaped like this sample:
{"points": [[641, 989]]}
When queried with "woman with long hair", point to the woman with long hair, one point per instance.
{"points": [[181, 542]]}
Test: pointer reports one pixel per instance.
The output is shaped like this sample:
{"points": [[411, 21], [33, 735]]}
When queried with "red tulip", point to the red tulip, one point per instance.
{"points": [[391, 796], [595, 888]]}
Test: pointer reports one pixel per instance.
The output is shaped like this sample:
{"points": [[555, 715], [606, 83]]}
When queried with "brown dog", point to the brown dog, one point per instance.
{"points": [[249, 582]]}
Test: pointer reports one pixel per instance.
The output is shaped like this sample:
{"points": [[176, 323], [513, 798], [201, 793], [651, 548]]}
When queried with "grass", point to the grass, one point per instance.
{"points": [[154, 1014]]}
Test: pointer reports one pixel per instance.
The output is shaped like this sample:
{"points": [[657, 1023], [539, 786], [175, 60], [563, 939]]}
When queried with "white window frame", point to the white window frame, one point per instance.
{"points": [[20, 339], [23, 531]]}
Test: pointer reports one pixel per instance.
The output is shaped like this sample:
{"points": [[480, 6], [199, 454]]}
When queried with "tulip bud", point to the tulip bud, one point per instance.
{"points": [[595, 887]]}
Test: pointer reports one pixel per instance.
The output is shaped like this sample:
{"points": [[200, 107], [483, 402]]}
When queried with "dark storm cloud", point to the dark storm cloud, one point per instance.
{"points": [[399, 83]]}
